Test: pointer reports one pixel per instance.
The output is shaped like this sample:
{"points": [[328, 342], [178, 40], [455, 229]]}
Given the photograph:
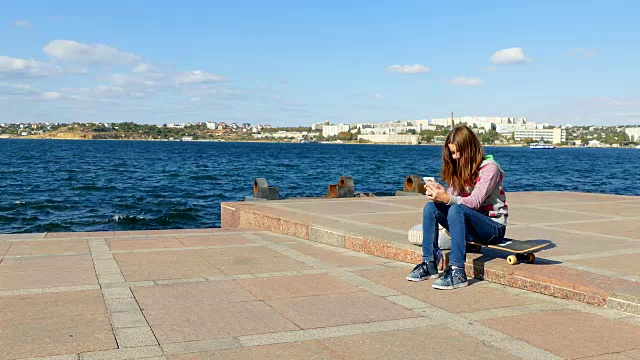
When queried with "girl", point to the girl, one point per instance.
{"points": [[472, 208]]}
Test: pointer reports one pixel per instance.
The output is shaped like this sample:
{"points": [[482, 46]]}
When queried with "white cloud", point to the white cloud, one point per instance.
{"points": [[466, 81], [90, 54], [580, 53], [22, 24], [509, 56], [408, 69], [143, 68], [378, 96], [16, 67], [195, 99], [16, 89], [632, 102], [97, 92], [133, 80], [197, 77], [51, 95]]}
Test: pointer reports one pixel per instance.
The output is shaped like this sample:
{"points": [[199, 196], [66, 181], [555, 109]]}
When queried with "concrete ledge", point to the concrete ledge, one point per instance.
{"points": [[298, 218]]}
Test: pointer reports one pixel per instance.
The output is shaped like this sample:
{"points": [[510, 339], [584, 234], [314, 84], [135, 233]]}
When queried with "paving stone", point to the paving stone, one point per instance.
{"points": [[51, 305], [214, 240], [157, 257], [275, 238], [404, 344], [201, 346], [145, 243], [334, 258], [177, 270], [179, 324], [80, 235], [55, 336], [404, 221], [567, 243], [471, 298], [623, 264], [312, 350], [522, 215], [111, 278], [609, 209], [238, 253], [122, 305], [47, 278], [45, 263], [258, 265], [626, 228], [345, 208], [128, 319], [47, 247], [295, 286], [144, 352], [203, 294], [568, 333], [135, 337], [338, 309]]}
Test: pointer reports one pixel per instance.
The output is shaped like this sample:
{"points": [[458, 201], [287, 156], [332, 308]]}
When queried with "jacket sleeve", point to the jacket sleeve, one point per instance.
{"points": [[487, 181]]}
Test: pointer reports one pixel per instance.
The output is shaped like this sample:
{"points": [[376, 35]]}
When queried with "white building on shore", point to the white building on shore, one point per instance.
{"points": [[633, 133], [391, 139], [334, 130], [555, 136]]}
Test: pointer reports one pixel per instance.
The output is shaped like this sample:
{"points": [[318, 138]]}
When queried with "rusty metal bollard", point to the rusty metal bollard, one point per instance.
{"points": [[343, 189], [262, 190], [413, 183]]}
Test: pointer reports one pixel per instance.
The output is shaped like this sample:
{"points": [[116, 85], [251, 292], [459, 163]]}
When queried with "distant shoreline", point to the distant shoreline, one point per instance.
{"points": [[291, 142]]}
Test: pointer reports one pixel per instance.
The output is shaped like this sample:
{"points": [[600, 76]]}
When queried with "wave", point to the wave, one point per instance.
{"points": [[126, 219]]}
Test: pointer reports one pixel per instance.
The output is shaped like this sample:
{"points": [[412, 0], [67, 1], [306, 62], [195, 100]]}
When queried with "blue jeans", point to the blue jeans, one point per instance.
{"points": [[464, 225]]}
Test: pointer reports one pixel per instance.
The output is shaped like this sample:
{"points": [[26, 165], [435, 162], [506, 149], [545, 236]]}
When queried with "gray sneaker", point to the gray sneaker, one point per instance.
{"points": [[424, 271], [451, 279]]}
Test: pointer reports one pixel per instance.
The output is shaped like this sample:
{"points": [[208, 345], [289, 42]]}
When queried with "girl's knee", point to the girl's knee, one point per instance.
{"points": [[455, 210]]}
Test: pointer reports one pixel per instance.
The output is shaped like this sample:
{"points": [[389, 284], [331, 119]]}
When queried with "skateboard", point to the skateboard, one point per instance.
{"points": [[522, 250]]}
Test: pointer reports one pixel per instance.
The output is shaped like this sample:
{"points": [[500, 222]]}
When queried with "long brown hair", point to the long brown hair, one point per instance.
{"points": [[463, 172]]}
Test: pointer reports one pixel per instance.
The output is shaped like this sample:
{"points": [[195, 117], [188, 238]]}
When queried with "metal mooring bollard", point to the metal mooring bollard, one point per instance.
{"points": [[413, 185], [343, 189], [262, 190]]}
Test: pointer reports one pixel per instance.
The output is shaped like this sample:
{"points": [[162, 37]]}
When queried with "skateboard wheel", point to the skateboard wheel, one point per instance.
{"points": [[512, 260], [531, 258]]}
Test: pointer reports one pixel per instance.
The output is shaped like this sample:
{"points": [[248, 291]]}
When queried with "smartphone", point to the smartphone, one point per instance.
{"points": [[429, 179]]}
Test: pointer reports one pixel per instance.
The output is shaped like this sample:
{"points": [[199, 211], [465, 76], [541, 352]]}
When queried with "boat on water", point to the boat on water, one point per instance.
{"points": [[637, 146], [541, 146]]}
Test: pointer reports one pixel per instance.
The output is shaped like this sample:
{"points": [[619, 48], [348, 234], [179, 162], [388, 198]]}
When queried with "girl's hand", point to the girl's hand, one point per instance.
{"points": [[435, 192]]}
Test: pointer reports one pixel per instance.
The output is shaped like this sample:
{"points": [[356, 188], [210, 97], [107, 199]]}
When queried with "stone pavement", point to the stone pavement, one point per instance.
{"points": [[593, 258], [229, 294]]}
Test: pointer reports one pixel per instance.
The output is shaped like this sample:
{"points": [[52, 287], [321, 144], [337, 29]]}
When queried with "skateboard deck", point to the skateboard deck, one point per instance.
{"points": [[523, 250]]}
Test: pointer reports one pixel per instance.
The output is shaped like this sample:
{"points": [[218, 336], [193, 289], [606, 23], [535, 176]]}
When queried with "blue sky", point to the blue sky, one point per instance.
{"points": [[289, 63]]}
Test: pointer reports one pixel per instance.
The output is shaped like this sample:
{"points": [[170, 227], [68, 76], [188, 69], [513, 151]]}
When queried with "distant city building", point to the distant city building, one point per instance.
{"points": [[446, 122], [555, 136], [391, 139], [319, 126], [334, 130], [212, 125]]}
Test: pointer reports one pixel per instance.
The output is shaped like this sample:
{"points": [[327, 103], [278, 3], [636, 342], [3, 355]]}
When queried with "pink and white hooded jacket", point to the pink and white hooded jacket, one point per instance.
{"points": [[487, 196]]}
